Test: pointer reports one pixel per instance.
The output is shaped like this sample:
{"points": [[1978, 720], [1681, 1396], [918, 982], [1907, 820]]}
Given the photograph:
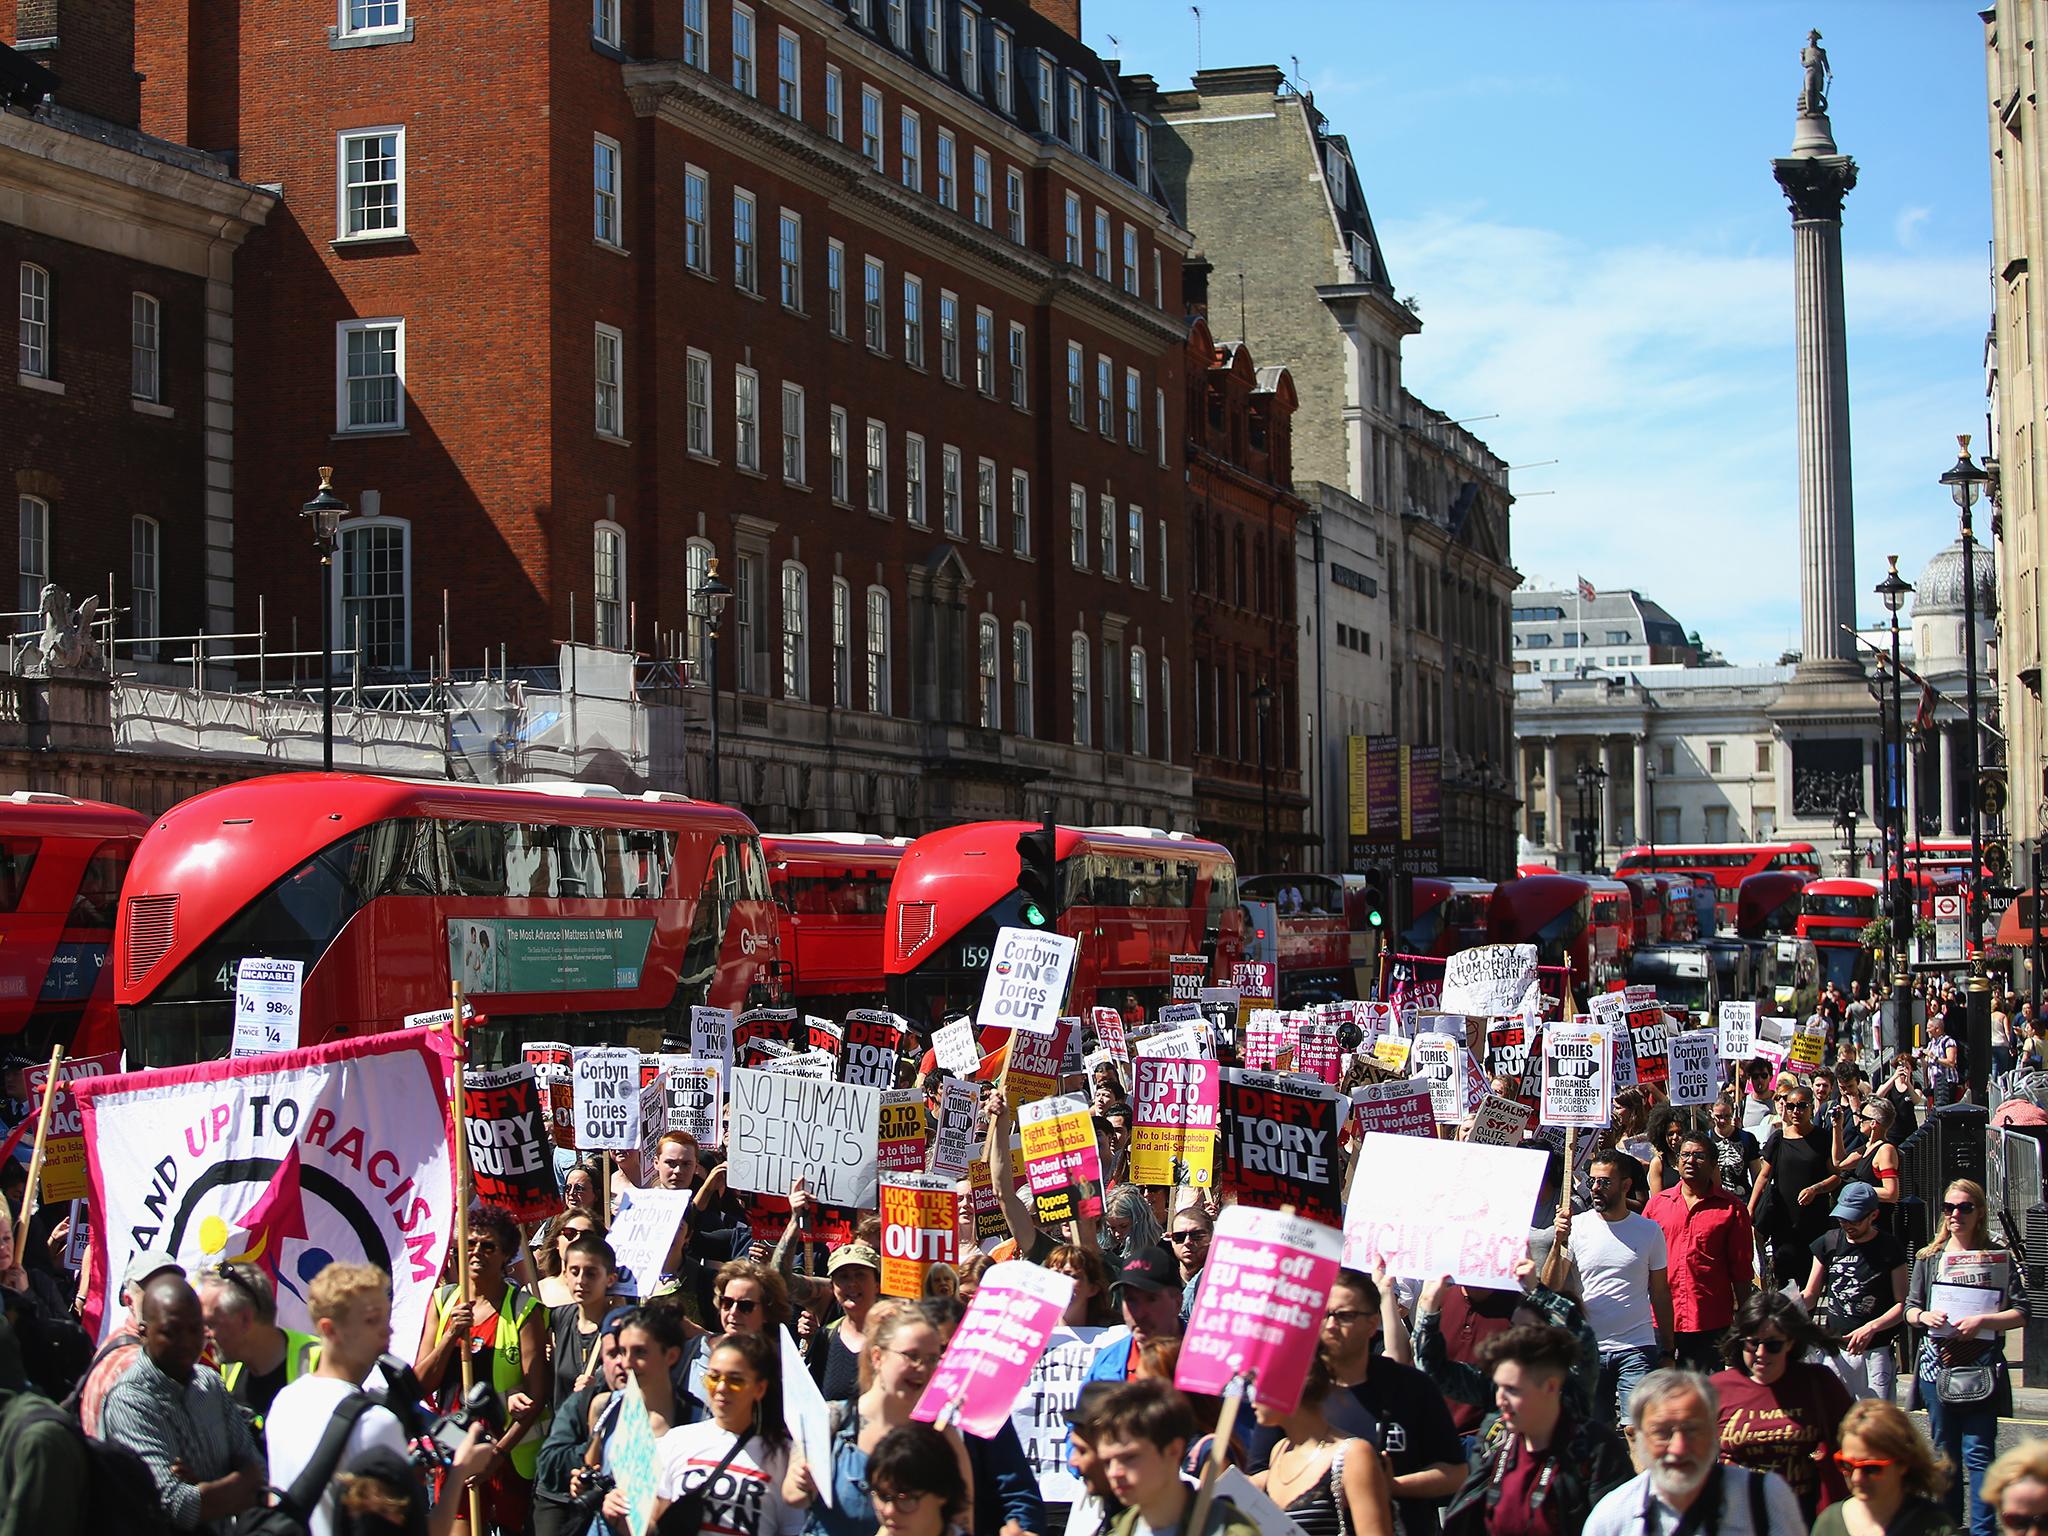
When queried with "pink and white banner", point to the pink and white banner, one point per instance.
{"points": [[1260, 1307], [987, 1368]]}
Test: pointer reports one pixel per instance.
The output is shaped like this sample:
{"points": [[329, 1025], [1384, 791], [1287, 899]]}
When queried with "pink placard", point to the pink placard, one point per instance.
{"points": [[1316, 1051], [1398, 1109], [987, 1368], [1260, 1308]]}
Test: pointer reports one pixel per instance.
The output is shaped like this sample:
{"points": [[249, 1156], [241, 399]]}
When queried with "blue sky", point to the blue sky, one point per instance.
{"points": [[1579, 198]]}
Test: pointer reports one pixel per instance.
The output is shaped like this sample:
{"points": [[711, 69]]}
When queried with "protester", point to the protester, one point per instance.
{"points": [[855, 1271], [1470, 1383], [1090, 1306], [1674, 1419], [730, 1466], [1897, 1091], [554, 1513], [574, 1328], [1147, 1292], [650, 1345], [1128, 1225], [1097, 1505], [259, 1359], [915, 1484], [1734, 1147], [582, 1186], [1327, 1483], [177, 1416], [124, 1344], [1961, 1378], [1857, 1291], [560, 1231], [1189, 1234], [1781, 1412], [44, 1468], [1624, 1278], [1709, 1248], [1667, 1126], [1794, 1186], [1759, 1106], [2016, 1487], [1941, 1060], [1143, 1434], [1895, 1480], [1005, 1488]]}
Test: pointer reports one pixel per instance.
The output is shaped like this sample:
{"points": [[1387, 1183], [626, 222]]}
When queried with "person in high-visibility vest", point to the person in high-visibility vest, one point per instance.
{"points": [[258, 1359]]}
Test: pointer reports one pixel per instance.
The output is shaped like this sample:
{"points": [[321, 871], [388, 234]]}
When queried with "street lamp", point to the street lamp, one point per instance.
{"points": [[1650, 779], [1262, 697], [1966, 482], [1593, 785], [708, 603], [326, 511], [1895, 589]]}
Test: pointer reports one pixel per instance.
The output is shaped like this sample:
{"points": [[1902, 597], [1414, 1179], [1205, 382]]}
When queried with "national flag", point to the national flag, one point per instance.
{"points": [[1586, 592], [1923, 717]]}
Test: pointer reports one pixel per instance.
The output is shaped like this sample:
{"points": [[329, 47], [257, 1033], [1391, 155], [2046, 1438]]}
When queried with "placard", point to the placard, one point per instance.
{"points": [[1578, 1081], [1027, 980], [1187, 973], [696, 1098], [1176, 1115], [785, 1128], [821, 1065], [1431, 1208], [1390, 1053], [920, 1228], [267, 1006], [823, 1035], [1061, 1158], [1109, 1035], [1186, 1043], [711, 1034], [1737, 1030], [1508, 1044], [953, 1141], [1440, 1061], [956, 1050], [901, 1136], [1040, 1417], [653, 1119], [1499, 1122], [1280, 1144], [1809, 1048], [1650, 1030], [987, 1368], [511, 1159], [1259, 1309], [605, 1090], [873, 1037], [1695, 1067], [632, 1456], [1317, 1052], [643, 1230], [1032, 1069], [64, 1176], [1404, 1108], [1488, 980], [1268, 1040]]}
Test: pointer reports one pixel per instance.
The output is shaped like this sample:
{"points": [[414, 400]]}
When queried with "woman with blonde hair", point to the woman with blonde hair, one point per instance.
{"points": [[1895, 1478], [2017, 1487], [1965, 1291]]}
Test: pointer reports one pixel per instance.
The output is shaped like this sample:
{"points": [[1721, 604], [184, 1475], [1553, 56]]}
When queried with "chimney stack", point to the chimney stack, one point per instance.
{"points": [[90, 45]]}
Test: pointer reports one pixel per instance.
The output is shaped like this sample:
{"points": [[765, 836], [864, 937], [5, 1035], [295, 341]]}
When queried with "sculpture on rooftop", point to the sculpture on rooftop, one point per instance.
{"points": [[66, 647]]}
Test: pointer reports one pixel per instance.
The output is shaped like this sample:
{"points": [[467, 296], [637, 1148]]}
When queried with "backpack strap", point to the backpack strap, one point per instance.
{"points": [[306, 1489], [75, 1398], [1759, 1511]]}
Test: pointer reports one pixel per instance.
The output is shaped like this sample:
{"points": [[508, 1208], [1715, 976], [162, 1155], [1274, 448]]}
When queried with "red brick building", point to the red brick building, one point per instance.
{"points": [[874, 302], [1241, 517]]}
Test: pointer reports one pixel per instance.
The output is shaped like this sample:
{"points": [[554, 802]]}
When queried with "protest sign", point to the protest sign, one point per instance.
{"points": [[1695, 1067], [605, 1081], [1259, 1310], [1578, 1081], [550, 1061], [1060, 1157], [287, 1161], [1440, 1060], [511, 1164], [868, 1054], [1738, 1030], [653, 1118], [1488, 980], [1280, 1143], [632, 1458], [1027, 980], [1189, 1012], [987, 1367], [764, 1025], [267, 1006], [1109, 1035], [696, 1098], [1390, 1052], [1770, 1051], [1650, 1030], [64, 1146], [711, 1034], [1033, 1068], [1316, 1051], [1430, 1208], [642, 1231], [1809, 1048], [804, 1413], [1268, 1040], [900, 1132], [1187, 973], [1499, 1122], [823, 1035], [812, 1064], [1186, 1043], [953, 1141], [1176, 1114], [785, 1128], [1405, 1108], [1040, 1417], [1507, 1048], [956, 1050], [920, 1228]]}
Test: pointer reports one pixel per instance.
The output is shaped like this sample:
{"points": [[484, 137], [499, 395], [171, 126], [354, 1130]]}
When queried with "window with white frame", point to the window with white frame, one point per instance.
{"points": [[789, 259], [35, 322], [743, 49], [1130, 263], [145, 586], [32, 544], [1158, 280], [871, 125], [608, 584], [746, 418], [910, 149], [375, 555], [747, 617], [949, 491], [746, 270], [948, 169], [1020, 383], [1077, 527], [988, 673], [1141, 157], [970, 48], [914, 508], [371, 163], [835, 103], [1165, 710], [1159, 557], [145, 344], [370, 375], [935, 34], [794, 463], [789, 73], [874, 307], [984, 205], [1077, 387], [1073, 227], [913, 320], [1077, 669], [696, 219], [838, 433], [611, 382], [1105, 396], [1102, 244], [1002, 50], [1159, 424], [985, 502], [1134, 416], [878, 467], [1141, 742], [949, 336], [1013, 202], [696, 43], [1134, 534], [697, 404], [899, 22], [696, 571], [878, 689], [1020, 511], [1021, 702], [360, 16], [985, 351], [1048, 87], [835, 287], [1105, 130], [863, 12], [796, 648], [1077, 112], [842, 644], [604, 181], [1107, 521]]}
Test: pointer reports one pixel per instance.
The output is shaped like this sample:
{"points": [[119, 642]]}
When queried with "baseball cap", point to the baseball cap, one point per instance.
{"points": [[1149, 1269], [1092, 1394], [853, 1253], [1856, 1201], [145, 1267]]}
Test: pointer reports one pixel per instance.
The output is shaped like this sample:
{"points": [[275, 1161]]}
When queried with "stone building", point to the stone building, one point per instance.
{"points": [[1575, 631]]}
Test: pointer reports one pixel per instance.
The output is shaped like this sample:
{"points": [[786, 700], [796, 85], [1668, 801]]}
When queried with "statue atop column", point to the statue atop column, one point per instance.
{"points": [[1813, 89]]}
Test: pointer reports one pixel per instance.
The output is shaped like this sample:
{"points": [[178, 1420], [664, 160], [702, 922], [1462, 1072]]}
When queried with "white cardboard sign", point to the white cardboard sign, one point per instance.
{"points": [[1695, 1067], [267, 1006], [1431, 1208], [1027, 980], [605, 1090], [1489, 980]]}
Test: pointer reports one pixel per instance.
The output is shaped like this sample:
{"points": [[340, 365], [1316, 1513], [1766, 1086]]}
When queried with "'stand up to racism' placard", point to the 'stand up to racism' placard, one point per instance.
{"points": [[786, 1127]]}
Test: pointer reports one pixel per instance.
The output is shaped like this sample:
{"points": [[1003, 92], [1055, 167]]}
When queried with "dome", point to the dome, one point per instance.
{"points": [[1940, 587]]}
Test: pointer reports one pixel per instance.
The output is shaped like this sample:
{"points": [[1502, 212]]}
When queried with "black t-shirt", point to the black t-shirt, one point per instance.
{"points": [[1399, 1410], [1797, 1164], [257, 1393], [840, 1378], [1905, 1117], [1858, 1284]]}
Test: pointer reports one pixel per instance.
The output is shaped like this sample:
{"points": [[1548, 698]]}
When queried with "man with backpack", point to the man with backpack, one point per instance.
{"points": [[44, 1468]]}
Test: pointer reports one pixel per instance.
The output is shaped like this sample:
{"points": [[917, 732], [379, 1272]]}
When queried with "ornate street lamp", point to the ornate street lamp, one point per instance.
{"points": [[1966, 482], [1895, 589], [326, 511], [708, 603]]}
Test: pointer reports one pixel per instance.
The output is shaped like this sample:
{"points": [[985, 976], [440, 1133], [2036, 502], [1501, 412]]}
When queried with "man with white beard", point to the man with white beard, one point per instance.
{"points": [[1674, 1418]]}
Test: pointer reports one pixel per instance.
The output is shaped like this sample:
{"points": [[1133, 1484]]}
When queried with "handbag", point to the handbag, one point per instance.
{"points": [[1963, 1385], [685, 1517]]}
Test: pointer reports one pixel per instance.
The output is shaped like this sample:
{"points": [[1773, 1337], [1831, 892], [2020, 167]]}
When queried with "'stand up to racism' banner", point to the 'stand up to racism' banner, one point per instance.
{"points": [[287, 1161], [1280, 1144]]}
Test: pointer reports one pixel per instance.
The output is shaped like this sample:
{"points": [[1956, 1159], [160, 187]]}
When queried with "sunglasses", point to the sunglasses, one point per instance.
{"points": [[1177, 1238], [1850, 1463], [734, 1380], [1958, 1207], [1768, 1346], [744, 1305], [2019, 1522]]}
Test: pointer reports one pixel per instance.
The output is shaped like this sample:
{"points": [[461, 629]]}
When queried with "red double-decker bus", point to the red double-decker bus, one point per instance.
{"points": [[831, 893], [567, 911], [1322, 935], [1575, 921], [1720, 866], [61, 866], [1133, 896], [1445, 915], [1833, 914]]}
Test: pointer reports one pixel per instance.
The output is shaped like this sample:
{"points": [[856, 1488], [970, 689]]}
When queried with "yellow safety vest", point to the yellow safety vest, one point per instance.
{"points": [[508, 1370]]}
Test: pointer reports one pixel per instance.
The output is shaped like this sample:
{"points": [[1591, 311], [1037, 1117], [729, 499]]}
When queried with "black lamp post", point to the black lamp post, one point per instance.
{"points": [[709, 601], [1262, 698], [326, 511], [1650, 779], [1593, 786], [1966, 482], [1895, 589]]}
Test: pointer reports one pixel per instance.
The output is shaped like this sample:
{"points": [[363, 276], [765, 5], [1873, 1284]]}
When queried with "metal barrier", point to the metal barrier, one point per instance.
{"points": [[2012, 1179]]}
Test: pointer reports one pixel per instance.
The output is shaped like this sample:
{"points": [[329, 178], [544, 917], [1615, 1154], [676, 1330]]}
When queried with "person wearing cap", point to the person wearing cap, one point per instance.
{"points": [[1857, 1289], [1146, 1288], [554, 1513], [124, 1344], [855, 1274]]}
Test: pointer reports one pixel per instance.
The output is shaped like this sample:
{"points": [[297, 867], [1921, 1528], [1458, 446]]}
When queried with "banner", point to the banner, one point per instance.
{"points": [[1578, 1083], [1499, 1122], [1489, 980], [642, 1231], [953, 1138], [868, 1056], [1317, 1052], [785, 1128], [1040, 1417], [1738, 1031], [1405, 1108], [1061, 1158], [1695, 1067], [539, 954], [64, 1147], [1430, 1208], [1280, 1144], [511, 1158], [288, 1162], [987, 1367], [1260, 1306], [920, 1228], [1027, 980], [901, 1132], [1032, 1070], [1176, 1114]]}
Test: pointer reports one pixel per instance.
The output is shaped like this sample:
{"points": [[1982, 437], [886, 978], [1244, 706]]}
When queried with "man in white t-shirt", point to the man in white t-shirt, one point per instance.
{"points": [[1625, 1280], [350, 1305]]}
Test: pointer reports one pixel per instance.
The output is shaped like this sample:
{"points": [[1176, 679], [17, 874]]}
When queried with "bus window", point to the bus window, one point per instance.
{"points": [[99, 889], [17, 858], [476, 856]]}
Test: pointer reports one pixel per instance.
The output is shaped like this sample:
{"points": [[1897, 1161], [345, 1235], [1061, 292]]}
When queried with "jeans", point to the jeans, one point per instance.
{"points": [[1968, 1436], [1874, 1373], [1620, 1370]]}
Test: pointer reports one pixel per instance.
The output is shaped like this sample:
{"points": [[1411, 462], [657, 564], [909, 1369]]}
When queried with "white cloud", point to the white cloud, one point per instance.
{"points": [[1908, 224]]}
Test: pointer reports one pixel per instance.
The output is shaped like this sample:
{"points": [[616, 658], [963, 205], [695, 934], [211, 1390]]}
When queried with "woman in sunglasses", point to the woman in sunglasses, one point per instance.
{"points": [[1782, 1412], [553, 1257], [725, 1474], [1965, 1291], [1895, 1479], [1795, 1185], [748, 1297], [2017, 1487]]}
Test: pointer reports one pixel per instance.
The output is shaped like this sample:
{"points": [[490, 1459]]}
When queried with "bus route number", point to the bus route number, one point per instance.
{"points": [[974, 957]]}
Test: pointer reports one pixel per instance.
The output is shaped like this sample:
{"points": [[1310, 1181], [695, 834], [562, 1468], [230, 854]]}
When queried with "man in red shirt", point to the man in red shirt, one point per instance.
{"points": [[1711, 1251]]}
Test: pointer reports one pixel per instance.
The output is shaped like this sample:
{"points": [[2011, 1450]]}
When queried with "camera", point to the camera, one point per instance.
{"points": [[591, 1500], [434, 1441]]}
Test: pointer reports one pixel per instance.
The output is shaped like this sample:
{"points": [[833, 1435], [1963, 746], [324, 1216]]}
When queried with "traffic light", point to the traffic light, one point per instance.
{"points": [[1991, 793], [1037, 873], [1376, 909], [1997, 859]]}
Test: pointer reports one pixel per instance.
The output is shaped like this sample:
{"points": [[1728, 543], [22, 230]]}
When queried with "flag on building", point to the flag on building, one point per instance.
{"points": [[1586, 592]]}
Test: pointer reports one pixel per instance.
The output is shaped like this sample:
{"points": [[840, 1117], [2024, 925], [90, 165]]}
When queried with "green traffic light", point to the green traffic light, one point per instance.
{"points": [[1376, 918], [1034, 914]]}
